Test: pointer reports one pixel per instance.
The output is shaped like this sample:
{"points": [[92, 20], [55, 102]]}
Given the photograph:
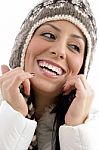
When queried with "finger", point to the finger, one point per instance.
{"points": [[84, 81], [13, 72], [4, 69], [66, 92], [26, 85], [10, 74], [79, 86], [20, 79], [81, 91], [87, 87], [12, 85], [69, 86]]}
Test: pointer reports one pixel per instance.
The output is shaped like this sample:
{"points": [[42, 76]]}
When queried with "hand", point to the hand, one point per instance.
{"points": [[79, 108], [10, 82]]}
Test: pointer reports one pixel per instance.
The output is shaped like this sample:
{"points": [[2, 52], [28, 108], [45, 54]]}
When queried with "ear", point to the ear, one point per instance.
{"points": [[4, 69]]}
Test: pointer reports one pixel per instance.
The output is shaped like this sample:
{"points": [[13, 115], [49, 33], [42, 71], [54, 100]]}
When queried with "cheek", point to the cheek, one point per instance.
{"points": [[36, 47], [75, 65]]}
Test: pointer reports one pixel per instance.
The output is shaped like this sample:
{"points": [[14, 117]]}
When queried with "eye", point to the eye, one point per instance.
{"points": [[74, 47], [49, 36]]}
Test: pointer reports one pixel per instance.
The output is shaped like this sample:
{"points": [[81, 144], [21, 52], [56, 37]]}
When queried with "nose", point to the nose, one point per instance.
{"points": [[58, 51]]}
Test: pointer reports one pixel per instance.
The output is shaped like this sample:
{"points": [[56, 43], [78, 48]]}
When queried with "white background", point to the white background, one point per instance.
{"points": [[12, 14]]}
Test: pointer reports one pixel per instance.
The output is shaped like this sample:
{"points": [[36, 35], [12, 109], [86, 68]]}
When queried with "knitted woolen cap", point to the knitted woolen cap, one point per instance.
{"points": [[77, 12]]}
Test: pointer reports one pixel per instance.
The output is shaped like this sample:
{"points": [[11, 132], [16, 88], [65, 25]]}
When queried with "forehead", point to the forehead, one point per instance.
{"points": [[62, 25]]}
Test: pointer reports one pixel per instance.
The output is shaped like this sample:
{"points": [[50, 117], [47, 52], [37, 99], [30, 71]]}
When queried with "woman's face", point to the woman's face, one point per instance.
{"points": [[55, 53]]}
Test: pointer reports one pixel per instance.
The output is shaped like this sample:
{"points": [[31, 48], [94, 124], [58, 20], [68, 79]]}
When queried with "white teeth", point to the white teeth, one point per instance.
{"points": [[51, 67], [52, 73]]}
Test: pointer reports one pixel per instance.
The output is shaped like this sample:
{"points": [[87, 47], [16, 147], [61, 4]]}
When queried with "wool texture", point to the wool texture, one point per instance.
{"points": [[76, 11]]}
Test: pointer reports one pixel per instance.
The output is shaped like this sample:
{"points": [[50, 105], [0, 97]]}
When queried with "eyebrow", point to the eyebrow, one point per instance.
{"points": [[78, 37], [53, 26], [72, 35]]}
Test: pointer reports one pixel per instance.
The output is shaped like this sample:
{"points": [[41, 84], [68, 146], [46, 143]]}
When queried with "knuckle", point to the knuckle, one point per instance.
{"points": [[82, 76], [4, 85], [19, 78], [5, 88], [19, 69], [10, 89], [16, 70]]}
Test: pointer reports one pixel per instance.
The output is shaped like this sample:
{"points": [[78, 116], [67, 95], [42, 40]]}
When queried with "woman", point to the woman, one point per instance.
{"points": [[46, 99]]}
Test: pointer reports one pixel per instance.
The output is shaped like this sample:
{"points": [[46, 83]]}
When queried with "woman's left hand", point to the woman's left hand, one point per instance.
{"points": [[80, 107]]}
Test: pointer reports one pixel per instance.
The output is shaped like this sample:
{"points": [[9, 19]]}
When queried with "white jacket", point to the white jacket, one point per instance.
{"points": [[16, 132]]}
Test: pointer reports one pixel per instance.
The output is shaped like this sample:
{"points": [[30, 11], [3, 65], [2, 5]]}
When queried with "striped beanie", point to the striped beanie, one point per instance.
{"points": [[77, 12]]}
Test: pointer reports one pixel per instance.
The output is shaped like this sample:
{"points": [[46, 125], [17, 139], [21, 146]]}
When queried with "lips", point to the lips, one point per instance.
{"points": [[50, 67]]}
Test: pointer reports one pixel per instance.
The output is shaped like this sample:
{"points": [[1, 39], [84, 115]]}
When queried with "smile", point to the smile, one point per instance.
{"points": [[50, 68]]}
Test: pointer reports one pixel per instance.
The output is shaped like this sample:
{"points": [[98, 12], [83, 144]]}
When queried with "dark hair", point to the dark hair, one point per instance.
{"points": [[61, 109]]}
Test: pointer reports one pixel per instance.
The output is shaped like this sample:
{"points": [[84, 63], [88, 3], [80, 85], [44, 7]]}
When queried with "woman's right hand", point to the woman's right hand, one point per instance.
{"points": [[10, 82]]}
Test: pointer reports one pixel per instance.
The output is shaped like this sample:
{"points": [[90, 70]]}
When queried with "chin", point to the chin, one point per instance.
{"points": [[46, 87]]}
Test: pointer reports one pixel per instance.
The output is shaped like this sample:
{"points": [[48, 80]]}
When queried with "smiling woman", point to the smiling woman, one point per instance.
{"points": [[45, 97], [48, 59]]}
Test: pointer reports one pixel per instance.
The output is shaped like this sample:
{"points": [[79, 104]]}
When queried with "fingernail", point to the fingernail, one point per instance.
{"points": [[32, 74]]}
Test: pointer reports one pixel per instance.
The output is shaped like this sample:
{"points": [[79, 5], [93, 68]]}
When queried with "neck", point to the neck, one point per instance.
{"points": [[42, 101]]}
